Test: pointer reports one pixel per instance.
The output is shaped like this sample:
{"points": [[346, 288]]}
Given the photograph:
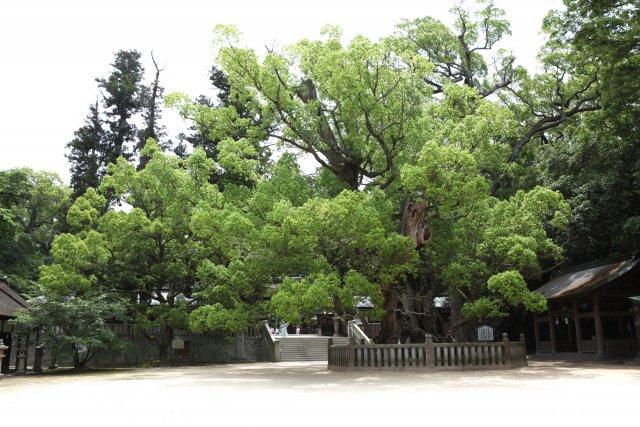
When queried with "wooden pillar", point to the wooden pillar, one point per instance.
{"points": [[598, 321], [552, 332], [621, 330], [578, 325], [536, 331], [636, 323]]}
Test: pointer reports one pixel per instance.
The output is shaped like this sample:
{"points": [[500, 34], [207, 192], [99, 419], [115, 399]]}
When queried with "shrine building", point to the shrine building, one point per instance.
{"points": [[592, 308]]}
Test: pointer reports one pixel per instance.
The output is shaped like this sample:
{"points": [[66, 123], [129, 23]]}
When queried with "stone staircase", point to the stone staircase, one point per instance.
{"points": [[306, 348]]}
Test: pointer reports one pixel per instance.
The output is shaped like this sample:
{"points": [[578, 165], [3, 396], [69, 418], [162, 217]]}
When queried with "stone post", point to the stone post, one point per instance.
{"points": [[351, 360], [38, 354], [507, 349], [429, 351], [336, 326], [239, 350], [37, 360], [21, 355]]}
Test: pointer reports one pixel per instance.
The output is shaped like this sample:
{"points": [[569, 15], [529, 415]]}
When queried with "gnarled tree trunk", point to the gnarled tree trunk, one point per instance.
{"points": [[408, 297]]}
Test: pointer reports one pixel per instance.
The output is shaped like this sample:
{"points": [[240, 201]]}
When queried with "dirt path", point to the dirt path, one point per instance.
{"points": [[306, 394]]}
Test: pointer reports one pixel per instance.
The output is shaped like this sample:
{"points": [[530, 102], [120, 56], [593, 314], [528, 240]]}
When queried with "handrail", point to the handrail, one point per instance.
{"points": [[272, 345], [354, 332]]}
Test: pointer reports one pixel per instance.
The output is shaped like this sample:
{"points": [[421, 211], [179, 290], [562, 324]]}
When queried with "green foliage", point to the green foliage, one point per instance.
{"points": [[230, 131], [222, 237], [32, 208], [457, 53], [485, 255], [353, 133], [345, 248], [506, 290], [75, 326], [595, 163]]}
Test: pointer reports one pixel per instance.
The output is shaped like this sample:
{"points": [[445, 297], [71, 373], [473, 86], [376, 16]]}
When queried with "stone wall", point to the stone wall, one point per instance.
{"points": [[198, 348]]}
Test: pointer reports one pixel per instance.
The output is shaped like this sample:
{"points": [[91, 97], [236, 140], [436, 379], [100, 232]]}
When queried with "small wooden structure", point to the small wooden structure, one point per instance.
{"points": [[590, 310], [10, 301]]}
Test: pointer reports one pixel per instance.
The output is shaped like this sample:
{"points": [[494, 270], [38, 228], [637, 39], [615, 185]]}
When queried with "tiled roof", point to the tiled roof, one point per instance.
{"points": [[10, 301], [587, 277]]}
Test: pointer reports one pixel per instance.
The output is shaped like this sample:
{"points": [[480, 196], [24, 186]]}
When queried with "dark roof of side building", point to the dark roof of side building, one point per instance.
{"points": [[587, 277], [10, 301]]}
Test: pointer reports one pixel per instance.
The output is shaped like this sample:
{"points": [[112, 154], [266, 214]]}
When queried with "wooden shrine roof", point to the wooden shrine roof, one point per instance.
{"points": [[10, 301], [587, 277]]}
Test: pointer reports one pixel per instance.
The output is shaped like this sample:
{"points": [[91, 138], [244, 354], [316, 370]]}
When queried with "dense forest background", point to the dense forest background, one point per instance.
{"points": [[443, 169]]}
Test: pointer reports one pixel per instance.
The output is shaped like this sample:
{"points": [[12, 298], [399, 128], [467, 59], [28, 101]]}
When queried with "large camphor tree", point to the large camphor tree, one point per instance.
{"points": [[420, 117]]}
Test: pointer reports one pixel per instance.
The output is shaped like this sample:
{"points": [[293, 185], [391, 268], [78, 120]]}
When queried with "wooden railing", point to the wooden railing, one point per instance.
{"points": [[589, 346], [545, 347], [430, 355], [621, 347], [273, 346]]}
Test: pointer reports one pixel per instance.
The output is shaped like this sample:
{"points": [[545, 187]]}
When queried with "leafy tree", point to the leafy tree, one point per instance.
{"points": [[345, 248], [214, 123], [75, 327], [14, 189], [34, 205], [453, 151], [147, 254], [595, 163], [458, 58]]}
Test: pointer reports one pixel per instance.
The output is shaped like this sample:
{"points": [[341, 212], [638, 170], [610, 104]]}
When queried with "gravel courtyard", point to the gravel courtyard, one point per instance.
{"points": [[307, 394]]}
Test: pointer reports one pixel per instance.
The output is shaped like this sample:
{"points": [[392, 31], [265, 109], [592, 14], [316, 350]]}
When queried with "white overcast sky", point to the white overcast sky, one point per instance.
{"points": [[51, 52]]}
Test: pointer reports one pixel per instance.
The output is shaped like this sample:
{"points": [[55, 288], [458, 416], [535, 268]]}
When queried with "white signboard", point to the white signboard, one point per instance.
{"points": [[485, 333], [177, 344]]}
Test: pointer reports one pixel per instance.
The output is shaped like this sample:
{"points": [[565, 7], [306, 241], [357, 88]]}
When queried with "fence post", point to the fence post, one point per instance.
{"points": [[507, 349], [428, 350], [351, 359]]}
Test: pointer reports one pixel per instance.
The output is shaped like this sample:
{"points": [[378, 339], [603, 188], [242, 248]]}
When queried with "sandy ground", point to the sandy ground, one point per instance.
{"points": [[307, 394]]}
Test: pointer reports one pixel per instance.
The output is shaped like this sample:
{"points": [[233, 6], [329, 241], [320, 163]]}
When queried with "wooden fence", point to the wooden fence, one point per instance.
{"points": [[434, 356]]}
